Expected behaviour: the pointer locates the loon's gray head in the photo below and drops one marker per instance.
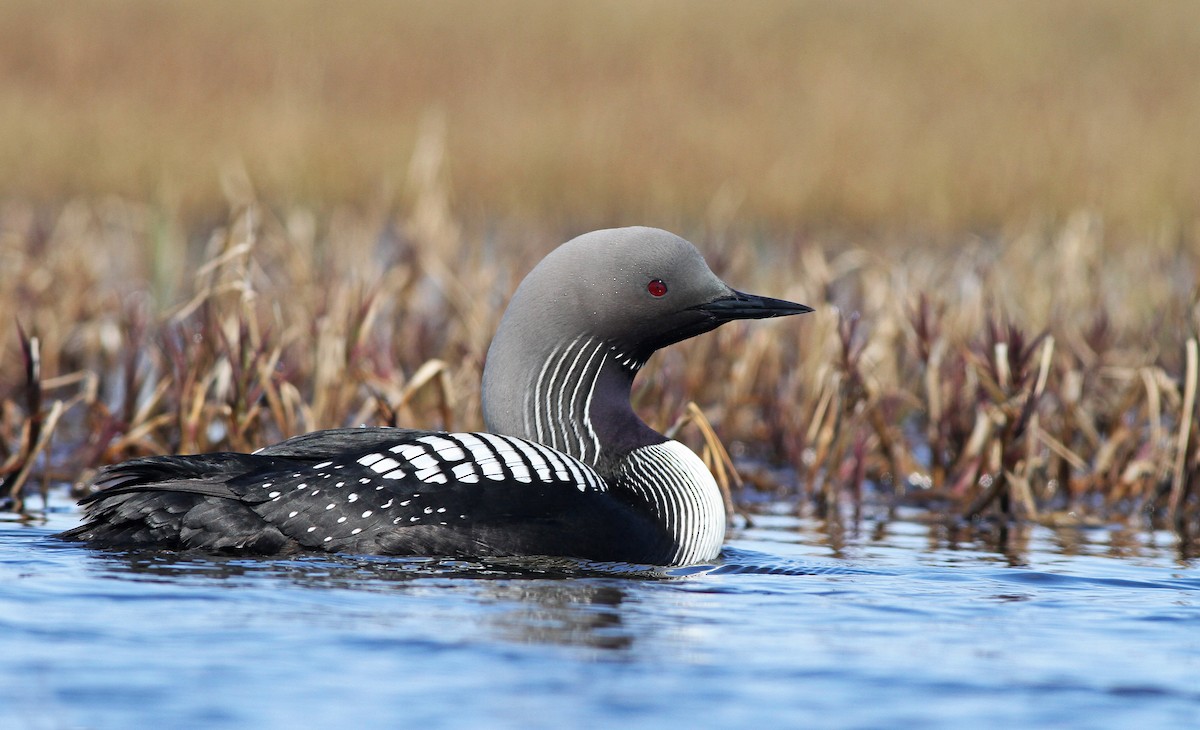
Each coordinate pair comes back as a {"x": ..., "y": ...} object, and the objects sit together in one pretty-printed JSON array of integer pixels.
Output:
[{"x": 582, "y": 323}]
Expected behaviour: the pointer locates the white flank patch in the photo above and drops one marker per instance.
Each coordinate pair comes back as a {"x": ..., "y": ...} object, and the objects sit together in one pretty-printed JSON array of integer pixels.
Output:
[
  {"x": 521, "y": 472},
  {"x": 370, "y": 459},
  {"x": 445, "y": 448},
  {"x": 385, "y": 465},
  {"x": 685, "y": 494},
  {"x": 431, "y": 474},
  {"x": 507, "y": 448},
  {"x": 465, "y": 472},
  {"x": 492, "y": 469},
  {"x": 535, "y": 458},
  {"x": 555, "y": 460},
  {"x": 408, "y": 452},
  {"x": 424, "y": 461},
  {"x": 480, "y": 453},
  {"x": 506, "y": 451}
]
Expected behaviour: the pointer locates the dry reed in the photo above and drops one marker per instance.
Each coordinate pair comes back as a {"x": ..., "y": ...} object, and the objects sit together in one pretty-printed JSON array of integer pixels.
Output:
[
  {"x": 1042, "y": 371},
  {"x": 997, "y": 383},
  {"x": 933, "y": 114}
]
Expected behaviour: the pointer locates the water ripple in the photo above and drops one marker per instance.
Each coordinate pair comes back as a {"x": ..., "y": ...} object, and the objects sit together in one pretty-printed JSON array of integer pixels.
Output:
[{"x": 785, "y": 629}]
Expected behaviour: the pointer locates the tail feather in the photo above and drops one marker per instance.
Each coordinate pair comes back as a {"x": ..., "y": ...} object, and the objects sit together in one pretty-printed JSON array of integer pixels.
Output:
[
  {"x": 194, "y": 471},
  {"x": 176, "y": 502}
]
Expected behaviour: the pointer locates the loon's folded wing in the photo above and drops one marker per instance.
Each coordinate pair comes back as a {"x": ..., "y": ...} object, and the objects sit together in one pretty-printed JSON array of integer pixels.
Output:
[{"x": 390, "y": 491}]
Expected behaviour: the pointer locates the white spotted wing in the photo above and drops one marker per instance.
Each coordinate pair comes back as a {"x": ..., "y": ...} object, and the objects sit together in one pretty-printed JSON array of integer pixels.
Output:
[{"x": 339, "y": 490}]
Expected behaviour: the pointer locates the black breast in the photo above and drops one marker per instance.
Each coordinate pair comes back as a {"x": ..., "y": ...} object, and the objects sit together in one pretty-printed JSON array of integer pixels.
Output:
[{"x": 381, "y": 491}]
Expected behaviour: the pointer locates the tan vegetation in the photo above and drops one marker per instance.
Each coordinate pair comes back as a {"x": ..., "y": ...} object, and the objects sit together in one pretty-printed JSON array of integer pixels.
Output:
[
  {"x": 228, "y": 223},
  {"x": 929, "y": 115},
  {"x": 919, "y": 372}
]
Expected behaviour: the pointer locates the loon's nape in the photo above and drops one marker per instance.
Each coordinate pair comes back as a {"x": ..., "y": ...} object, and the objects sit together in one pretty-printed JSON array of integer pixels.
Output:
[{"x": 568, "y": 469}]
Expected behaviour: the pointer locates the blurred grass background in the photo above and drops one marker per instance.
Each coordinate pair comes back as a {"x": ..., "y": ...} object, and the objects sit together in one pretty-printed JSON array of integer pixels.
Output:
[
  {"x": 932, "y": 115},
  {"x": 225, "y": 223}
]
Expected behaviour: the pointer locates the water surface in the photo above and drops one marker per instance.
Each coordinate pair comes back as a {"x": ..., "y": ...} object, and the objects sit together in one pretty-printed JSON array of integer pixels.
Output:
[{"x": 891, "y": 625}]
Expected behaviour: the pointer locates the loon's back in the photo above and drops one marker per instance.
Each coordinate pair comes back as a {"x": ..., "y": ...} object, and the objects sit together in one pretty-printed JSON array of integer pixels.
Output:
[{"x": 376, "y": 491}]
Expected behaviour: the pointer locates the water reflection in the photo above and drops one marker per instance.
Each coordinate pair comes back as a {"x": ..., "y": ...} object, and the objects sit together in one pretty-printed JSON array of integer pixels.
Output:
[
  {"x": 321, "y": 570},
  {"x": 1020, "y": 544},
  {"x": 405, "y": 641},
  {"x": 530, "y": 601},
  {"x": 572, "y": 613}
]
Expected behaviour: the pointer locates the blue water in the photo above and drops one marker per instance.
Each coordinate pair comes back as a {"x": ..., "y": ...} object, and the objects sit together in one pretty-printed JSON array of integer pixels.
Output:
[{"x": 892, "y": 626}]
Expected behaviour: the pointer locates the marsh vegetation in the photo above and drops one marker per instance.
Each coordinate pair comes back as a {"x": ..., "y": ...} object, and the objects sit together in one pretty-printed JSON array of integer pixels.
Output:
[{"x": 224, "y": 224}]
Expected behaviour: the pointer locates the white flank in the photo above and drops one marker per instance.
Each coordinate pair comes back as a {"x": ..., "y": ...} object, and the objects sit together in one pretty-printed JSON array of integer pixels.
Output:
[{"x": 685, "y": 495}]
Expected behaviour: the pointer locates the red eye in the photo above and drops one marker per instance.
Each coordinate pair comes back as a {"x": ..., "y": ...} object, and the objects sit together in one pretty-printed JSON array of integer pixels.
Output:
[{"x": 657, "y": 288}]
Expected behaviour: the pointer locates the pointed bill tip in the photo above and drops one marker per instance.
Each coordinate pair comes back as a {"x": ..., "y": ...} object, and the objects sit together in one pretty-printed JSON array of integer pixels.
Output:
[{"x": 739, "y": 305}]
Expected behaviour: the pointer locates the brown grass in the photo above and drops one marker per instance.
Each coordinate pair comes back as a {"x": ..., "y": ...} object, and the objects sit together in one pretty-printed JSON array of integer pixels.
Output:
[
  {"x": 920, "y": 373},
  {"x": 230, "y": 223},
  {"x": 934, "y": 115}
]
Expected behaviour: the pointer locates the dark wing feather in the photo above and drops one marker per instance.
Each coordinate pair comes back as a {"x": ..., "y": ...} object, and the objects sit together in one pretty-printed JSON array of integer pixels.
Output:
[
  {"x": 327, "y": 444},
  {"x": 175, "y": 502},
  {"x": 389, "y": 491}
]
